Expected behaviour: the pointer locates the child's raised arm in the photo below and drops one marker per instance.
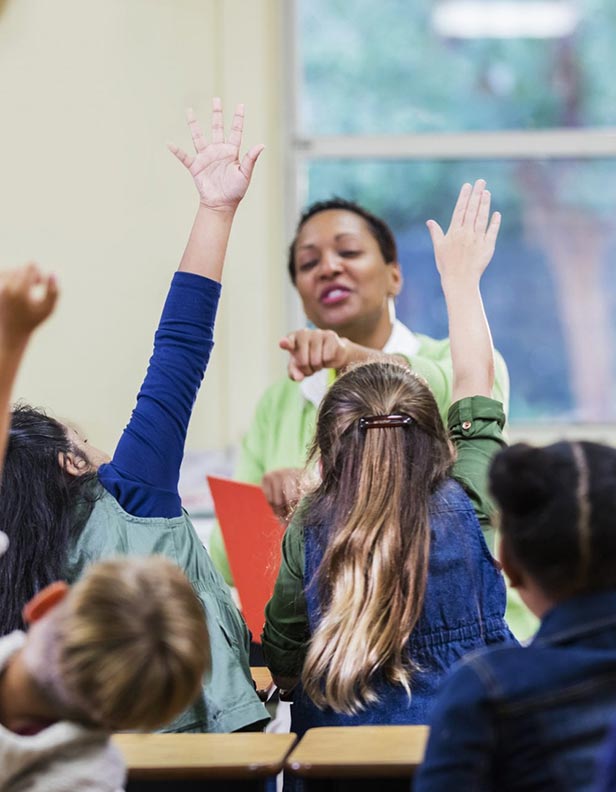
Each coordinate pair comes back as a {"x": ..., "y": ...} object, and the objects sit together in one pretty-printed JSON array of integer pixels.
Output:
[
  {"x": 462, "y": 255},
  {"x": 26, "y": 299},
  {"x": 143, "y": 474},
  {"x": 221, "y": 181}
]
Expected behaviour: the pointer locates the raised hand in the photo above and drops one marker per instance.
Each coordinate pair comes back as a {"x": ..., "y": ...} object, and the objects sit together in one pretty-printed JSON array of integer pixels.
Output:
[
  {"x": 468, "y": 246},
  {"x": 221, "y": 179},
  {"x": 27, "y": 297},
  {"x": 462, "y": 254}
]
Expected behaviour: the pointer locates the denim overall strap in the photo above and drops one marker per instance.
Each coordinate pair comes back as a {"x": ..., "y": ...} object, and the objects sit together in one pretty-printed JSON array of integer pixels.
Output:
[{"x": 463, "y": 610}]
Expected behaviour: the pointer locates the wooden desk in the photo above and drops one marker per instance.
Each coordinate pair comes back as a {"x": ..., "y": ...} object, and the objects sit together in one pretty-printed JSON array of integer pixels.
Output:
[
  {"x": 247, "y": 758},
  {"x": 344, "y": 755}
]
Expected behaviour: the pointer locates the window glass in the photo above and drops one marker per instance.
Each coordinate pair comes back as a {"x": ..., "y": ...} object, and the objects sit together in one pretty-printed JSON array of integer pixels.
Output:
[
  {"x": 550, "y": 291},
  {"x": 394, "y": 66}
]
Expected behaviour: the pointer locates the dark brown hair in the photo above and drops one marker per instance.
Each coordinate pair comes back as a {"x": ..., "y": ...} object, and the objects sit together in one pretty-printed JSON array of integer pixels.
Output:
[
  {"x": 557, "y": 509},
  {"x": 377, "y": 227}
]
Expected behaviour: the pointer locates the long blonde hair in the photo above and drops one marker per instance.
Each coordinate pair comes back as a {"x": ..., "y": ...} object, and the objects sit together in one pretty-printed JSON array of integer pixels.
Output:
[
  {"x": 132, "y": 643},
  {"x": 371, "y": 515}
]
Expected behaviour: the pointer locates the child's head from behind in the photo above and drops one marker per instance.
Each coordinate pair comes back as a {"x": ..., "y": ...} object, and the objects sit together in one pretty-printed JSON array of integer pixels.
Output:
[
  {"x": 557, "y": 508},
  {"x": 125, "y": 648},
  {"x": 380, "y": 389},
  {"x": 383, "y": 451}
]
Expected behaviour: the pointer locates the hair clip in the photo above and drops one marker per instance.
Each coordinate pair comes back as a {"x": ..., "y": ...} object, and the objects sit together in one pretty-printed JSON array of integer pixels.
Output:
[{"x": 384, "y": 421}]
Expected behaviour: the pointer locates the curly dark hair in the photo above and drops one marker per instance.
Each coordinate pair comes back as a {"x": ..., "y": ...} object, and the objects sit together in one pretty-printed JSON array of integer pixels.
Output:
[{"x": 43, "y": 509}]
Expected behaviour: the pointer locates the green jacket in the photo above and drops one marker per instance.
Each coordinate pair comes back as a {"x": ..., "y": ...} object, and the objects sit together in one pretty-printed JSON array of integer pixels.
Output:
[{"x": 228, "y": 701}]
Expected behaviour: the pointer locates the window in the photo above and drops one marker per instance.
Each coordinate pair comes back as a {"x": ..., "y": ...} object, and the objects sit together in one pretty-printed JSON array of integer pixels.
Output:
[{"x": 398, "y": 103}]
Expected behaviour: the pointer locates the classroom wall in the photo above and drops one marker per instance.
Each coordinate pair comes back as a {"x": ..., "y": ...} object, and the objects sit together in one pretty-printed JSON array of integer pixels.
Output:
[{"x": 90, "y": 91}]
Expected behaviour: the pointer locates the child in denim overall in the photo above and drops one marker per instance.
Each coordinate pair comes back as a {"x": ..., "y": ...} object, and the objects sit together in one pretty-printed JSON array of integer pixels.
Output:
[{"x": 386, "y": 578}]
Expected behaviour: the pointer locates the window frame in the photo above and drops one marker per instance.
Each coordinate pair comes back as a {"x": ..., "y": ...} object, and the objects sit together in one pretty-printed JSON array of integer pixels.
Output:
[{"x": 554, "y": 143}]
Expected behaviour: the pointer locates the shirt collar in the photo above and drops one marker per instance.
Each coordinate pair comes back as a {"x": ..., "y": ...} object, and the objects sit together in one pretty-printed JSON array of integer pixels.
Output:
[
  {"x": 402, "y": 341},
  {"x": 576, "y": 617}
]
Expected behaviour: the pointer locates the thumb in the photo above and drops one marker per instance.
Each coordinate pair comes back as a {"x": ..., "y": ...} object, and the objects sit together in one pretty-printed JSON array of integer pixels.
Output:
[
  {"x": 436, "y": 232},
  {"x": 295, "y": 373},
  {"x": 287, "y": 343},
  {"x": 250, "y": 158}
]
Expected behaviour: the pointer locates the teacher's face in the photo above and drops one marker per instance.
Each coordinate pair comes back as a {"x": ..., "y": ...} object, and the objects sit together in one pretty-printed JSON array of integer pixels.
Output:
[{"x": 341, "y": 275}]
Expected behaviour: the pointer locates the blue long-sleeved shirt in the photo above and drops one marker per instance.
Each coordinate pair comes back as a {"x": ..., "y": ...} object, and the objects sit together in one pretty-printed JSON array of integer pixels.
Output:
[{"x": 144, "y": 472}]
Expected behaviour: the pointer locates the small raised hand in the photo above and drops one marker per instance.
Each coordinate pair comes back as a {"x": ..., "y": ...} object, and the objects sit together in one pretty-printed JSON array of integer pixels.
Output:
[
  {"x": 462, "y": 254},
  {"x": 27, "y": 298},
  {"x": 219, "y": 176},
  {"x": 468, "y": 246}
]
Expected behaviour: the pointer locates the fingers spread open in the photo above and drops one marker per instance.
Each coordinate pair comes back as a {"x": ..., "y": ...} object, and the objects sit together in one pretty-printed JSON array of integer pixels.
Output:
[
  {"x": 493, "y": 229},
  {"x": 237, "y": 127},
  {"x": 198, "y": 138},
  {"x": 459, "y": 210},
  {"x": 483, "y": 213},
  {"x": 183, "y": 157},
  {"x": 473, "y": 203},
  {"x": 218, "y": 126}
]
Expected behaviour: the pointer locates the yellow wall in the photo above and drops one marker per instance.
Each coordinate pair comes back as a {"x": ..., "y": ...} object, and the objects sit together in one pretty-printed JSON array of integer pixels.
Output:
[{"x": 90, "y": 91}]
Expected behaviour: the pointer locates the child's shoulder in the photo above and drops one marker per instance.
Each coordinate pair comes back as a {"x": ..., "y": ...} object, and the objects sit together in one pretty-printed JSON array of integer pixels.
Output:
[{"x": 509, "y": 672}]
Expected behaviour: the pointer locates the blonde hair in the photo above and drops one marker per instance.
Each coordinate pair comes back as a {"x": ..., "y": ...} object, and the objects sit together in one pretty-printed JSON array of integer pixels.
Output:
[
  {"x": 133, "y": 643},
  {"x": 371, "y": 516}
]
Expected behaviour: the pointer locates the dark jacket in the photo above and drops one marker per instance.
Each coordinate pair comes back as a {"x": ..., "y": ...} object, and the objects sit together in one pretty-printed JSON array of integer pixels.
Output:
[{"x": 535, "y": 718}]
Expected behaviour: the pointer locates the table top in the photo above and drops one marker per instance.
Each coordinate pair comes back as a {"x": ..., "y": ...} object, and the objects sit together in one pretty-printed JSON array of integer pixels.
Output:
[
  {"x": 233, "y": 756},
  {"x": 359, "y": 752}
]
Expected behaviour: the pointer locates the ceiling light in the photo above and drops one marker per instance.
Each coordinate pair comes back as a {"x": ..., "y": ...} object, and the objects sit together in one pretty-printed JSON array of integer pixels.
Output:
[{"x": 505, "y": 18}]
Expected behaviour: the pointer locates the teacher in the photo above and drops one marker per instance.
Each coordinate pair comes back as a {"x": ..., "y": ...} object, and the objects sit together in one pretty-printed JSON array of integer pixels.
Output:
[{"x": 344, "y": 264}]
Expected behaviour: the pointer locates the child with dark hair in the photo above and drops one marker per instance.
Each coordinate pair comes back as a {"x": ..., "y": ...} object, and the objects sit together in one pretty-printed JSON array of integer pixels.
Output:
[
  {"x": 513, "y": 718},
  {"x": 27, "y": 298},
  {"x": 65, "y": 504}
]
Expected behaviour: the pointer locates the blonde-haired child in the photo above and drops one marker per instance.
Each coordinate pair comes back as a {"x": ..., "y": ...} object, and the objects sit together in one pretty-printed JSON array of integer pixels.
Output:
[{"x": 124, "y": 648}]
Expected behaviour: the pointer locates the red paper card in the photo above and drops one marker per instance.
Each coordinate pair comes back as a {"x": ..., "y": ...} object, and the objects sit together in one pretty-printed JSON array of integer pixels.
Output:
[{"x": 253, "y": 539}]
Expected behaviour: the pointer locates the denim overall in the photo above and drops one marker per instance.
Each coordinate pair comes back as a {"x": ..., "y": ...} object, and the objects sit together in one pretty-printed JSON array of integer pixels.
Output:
[{"x": 463, "y": 610}]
